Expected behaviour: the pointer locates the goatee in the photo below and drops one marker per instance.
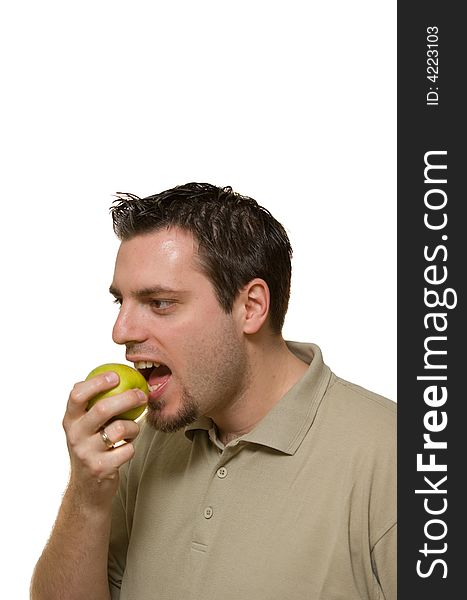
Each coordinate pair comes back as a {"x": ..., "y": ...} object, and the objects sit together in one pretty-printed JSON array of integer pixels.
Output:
[{"x": 187, "y": 414}]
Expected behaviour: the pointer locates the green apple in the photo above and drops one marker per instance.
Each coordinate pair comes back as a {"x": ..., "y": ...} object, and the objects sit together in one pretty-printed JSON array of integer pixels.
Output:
[{"x": 129, "y": 379}]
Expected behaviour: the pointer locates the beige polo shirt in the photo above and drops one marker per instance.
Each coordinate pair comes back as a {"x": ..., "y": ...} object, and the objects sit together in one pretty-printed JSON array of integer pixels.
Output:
[{"x": 302, "y": 507}]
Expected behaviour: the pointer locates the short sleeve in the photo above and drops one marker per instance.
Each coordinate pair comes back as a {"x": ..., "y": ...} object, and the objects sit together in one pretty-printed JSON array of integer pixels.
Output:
[{"x": 384, "y": 558}]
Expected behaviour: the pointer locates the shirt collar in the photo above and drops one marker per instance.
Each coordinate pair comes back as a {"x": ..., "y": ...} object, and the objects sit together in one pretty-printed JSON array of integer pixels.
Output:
[{"x": 286, "y": 424}]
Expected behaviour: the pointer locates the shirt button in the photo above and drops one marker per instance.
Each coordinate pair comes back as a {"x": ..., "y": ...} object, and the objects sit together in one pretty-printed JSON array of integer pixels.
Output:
[
  {"x": 208, "y": 512},
  {"x": 222, "y": 472}
]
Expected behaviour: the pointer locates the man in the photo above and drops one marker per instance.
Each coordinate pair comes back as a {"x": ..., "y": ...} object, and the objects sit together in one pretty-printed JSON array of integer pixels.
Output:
[{"x": 258, "y": 474}]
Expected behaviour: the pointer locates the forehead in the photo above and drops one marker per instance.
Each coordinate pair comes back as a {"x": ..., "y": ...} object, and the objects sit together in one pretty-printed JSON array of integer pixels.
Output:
[{"x": 165, "y": 257}]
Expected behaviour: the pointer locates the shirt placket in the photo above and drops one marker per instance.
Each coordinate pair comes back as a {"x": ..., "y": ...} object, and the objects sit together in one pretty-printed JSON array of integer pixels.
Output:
[{"x": 211, "y": 510}]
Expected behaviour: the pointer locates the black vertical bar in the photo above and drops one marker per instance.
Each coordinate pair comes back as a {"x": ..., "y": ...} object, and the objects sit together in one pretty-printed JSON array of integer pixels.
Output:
[{"x": 432, "y": 328}]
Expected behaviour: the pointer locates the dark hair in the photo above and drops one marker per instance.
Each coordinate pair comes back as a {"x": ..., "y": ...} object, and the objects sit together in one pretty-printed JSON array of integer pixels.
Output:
[{"x": 238, "y": 239}]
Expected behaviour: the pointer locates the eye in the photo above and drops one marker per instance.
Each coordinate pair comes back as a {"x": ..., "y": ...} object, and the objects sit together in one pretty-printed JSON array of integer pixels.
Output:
[
  {"x": 117, "y": 301},
  {"x": 161, "y": 305}
]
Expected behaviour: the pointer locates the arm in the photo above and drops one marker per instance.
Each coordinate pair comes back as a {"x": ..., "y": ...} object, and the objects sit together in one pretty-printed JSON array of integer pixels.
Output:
[{"x": 73, "y": 564}]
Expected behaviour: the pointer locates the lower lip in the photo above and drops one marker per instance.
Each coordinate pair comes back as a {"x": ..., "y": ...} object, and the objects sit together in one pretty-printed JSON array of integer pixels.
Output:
[{"x": 160, "y": 390}]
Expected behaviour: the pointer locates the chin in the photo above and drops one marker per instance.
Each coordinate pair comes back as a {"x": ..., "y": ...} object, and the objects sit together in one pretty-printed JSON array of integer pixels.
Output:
[{"x": 158, "y": 418}]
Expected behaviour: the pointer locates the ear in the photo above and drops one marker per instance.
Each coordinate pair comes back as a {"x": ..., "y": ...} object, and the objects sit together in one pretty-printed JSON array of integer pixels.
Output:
[{"x": 253, "y": 305}]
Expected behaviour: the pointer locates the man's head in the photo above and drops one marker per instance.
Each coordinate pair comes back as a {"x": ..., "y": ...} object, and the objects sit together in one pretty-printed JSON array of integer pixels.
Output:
[
  {"x": 238, "y": 240},
  {"x": 197, "y": 275}
]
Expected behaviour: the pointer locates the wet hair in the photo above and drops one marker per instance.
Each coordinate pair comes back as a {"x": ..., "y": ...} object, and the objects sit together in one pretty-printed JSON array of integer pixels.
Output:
[{"x": 238, "y": 240}]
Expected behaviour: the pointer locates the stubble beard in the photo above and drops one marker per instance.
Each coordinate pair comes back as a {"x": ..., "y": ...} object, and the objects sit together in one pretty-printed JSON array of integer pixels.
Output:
[
  {"x": 226, "y": 380},
  {"x": 187, "y": 413}
]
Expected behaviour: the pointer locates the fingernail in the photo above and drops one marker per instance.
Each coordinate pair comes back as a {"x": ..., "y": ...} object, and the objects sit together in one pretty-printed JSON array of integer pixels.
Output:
[
  {"x": 141, "y": 395},
  {"x": 112, "y": 377}
]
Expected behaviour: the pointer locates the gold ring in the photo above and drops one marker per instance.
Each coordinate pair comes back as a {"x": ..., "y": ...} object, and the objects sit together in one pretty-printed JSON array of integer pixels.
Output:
[{"x": 105, "y": 438}]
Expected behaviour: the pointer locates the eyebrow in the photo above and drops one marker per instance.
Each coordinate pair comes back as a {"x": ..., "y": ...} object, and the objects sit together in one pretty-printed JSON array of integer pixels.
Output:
[{"x": 148, "y": 291}]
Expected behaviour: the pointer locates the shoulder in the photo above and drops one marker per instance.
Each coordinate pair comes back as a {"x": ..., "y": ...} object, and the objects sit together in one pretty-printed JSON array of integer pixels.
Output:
[
  {"x": 361, "y": 428},
  {"x": 360, "y": 409},
  {"x": 364, "y": 429},
  {"x": 360, "y": 395}
]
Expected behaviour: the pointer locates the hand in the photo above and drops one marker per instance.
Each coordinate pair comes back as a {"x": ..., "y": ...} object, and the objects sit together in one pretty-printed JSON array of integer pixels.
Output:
[{"x": 94, "y": 466}]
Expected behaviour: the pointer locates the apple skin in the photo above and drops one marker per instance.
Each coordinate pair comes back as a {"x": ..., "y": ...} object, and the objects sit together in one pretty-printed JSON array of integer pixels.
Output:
[{"x": 129, "y": 379}]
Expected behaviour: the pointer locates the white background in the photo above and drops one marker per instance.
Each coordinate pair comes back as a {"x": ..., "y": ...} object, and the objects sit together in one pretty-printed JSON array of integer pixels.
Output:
[{"x": 293, "y": 103}]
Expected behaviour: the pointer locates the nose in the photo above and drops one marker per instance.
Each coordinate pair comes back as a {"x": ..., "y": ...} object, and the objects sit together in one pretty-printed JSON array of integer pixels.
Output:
[{"x": 128, "y": 328}]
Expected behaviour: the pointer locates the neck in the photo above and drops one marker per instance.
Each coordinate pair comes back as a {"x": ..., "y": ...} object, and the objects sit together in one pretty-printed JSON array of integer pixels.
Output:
[{"x": 273, "y": 371}]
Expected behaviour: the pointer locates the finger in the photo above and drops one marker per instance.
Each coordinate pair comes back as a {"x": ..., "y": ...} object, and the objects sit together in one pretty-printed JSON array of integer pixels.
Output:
[
  {"x": 115, "y": 458},
  {"x": 117, "y": 431},
  {"x": 104, "y": 464},
  {"x": 84, "y": 391},
  {"x": 107, "y": 408}
]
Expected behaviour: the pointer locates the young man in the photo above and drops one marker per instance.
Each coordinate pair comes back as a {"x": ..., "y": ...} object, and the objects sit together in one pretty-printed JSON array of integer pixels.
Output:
[{"x": 258, "y": 472}]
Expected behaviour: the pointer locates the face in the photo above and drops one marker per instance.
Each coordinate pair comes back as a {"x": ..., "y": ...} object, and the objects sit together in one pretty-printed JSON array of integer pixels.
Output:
[{"x": 175, "y": 331}]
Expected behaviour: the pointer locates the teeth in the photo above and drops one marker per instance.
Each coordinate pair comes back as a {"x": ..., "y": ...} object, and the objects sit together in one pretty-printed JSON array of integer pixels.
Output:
[
  {"x": 153, "y": 388},
  {"x": 146, "y": 364}
]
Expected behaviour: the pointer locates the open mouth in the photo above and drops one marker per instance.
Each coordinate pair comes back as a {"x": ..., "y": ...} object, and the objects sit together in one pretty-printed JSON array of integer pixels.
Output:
[{"x": 156, "y": 374}]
